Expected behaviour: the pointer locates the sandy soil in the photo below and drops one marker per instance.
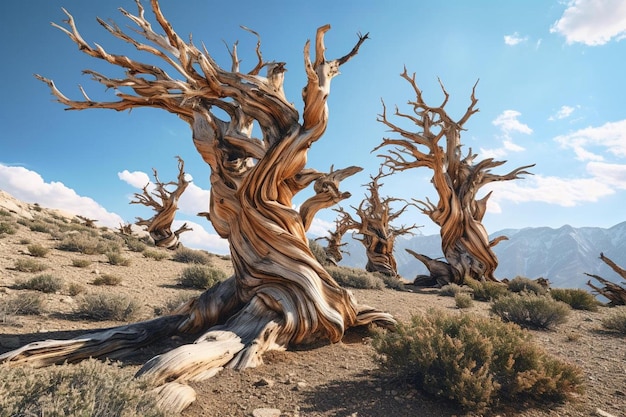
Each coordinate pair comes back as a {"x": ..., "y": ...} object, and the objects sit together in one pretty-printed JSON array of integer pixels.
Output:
[{"x": 342, "y": 379}]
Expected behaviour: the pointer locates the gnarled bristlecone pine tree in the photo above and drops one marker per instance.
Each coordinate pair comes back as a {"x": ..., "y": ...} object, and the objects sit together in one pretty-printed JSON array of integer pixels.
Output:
[
  {"x": 159, "y": 226},
  {"x": 279, "y": 294},
  {"x": 378, "y": 235},
  {"x": 333, "y": 249},
  {"x": 457, "y": 178}
]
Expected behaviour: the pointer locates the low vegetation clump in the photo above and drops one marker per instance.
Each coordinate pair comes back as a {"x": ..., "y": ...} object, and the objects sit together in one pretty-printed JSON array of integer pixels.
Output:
[
  {"x": 31, "y": 304},
  {"x": 523, "y": 284},
  {"x": 318, "y": 252},
  {"x": 450, "y": 290},
  {"x": 191, "y": 256},
  {"x": 90, "y": 388},
  {"x": 576, "y": 298},
  {"x": 391, "y": 281},
  {"x": 355, "y": 278},
  {"x": 116, "y": 258},
  {"x": 201, "y": 276},
  {"x": 134, "y": 244},
  {"x": 38, "y": 250},
  {"x": 7, "y": 228},
  {"x": 29, "y": 265},
  {"x": 616, "y": 321},
  {"x": 75, "y": 288},
  {"x": 463, "y": 300},
  {"x": 477, "y": 362},
  {"x": 155, "y": 254},
  {"x": 107, "y": 306},
  {"x": 486, "y": 291},
  {"x": 82, "y": 243},
  {"x": 40, "y": 226},
  {"x": 107, "y": 279},
  {"x": 81, "y": 263},
  {"x": 47, "y": 283},
  {"x": 530, "y": 310}
]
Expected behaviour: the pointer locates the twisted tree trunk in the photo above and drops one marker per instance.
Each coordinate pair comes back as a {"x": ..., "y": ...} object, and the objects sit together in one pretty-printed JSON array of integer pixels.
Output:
[
  {"x": 456, "y": 178},
  {"x": 279, "y": 295},
  {"x": 159, "y": 226}
]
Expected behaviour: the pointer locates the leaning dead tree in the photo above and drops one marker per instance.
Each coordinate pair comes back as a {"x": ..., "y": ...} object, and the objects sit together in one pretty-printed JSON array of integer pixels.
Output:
[
  {"x": 378, "y": 235},
  {"x": 615, "y": 293},
  {"x": 457, "y": 178},
  {"x": 165, "y": 203},
  {"x": 279, "y": 294}
]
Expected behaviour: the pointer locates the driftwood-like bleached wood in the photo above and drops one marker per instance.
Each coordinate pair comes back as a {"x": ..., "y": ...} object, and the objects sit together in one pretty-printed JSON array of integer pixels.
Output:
[
  {"x": 165, "y": 205},
  {"x": 615, "y": 293},
  {"x": 457, "y": 178},
  {"x": 279, "y": 294},
  {"x": 378, "y": 235}
]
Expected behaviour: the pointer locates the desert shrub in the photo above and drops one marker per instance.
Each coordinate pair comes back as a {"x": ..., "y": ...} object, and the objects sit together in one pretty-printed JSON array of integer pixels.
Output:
[
  {"x": 172, "y": 304},
  {"x": 393, "y": 282},
  {"x": 475, "y": 361},
  {"x": 201, "y": 276},
  {"x": 38, "y": 250},
  {"x": 45, "y": 283},
  {"x": 87, "y": 244},
  {"x": 7, "y": 228},
  {"x": 318, "y": 251},
  {"x": 355, "y": 278},
  {"x": 75, "y": 288},
  {"x": 24, "y": 241},
  {"x": 107, "y": 279},
  {"x": 90, "y": 388},
  {"x": 81, "y": 263},
  {"x": 616, "y": 320},
  {"x": 29, "y": 265},
  {"x": 107, "y": 306},
  {"x": 577, "y": 299},
  {"x": 523, "y": 284},
  {"x": 134, "y": 244},
  {"x": 530, "y": 310},
  {"x": 486, "y": 291},
  {"x": 116, "y": 258},
  {"x": 40, "y": 226},
  {"x": 155, "y": 254},
  {"x": 450, "y": 290},
  {"x": 191, "y": 256},
  {"x": 463, "y": 300},
  {"x": 4, "y": 213},
  {"x": 31, "y": 304}
]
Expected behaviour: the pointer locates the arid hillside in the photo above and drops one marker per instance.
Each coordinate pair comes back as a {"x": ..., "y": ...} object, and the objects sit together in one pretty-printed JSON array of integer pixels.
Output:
[{"x": 342, "y": 379}]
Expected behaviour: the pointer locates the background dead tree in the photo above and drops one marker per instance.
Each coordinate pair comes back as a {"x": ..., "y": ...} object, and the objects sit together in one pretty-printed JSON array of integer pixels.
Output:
[
  {"x": 125, "y": 229},
  {"x": 279, "y": 294},
  {"x": 378, "y": 235},
  {"x": 456, "y": 178},
  {"x": 333, "y": 249},
  {"x": 615, "y": 293},
  {"x": 87, "y": 221},
  {"x": 165, "y": 205}
]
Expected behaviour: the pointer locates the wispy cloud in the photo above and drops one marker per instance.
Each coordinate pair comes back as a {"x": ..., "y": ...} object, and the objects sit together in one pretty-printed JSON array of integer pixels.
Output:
[
  {"x": 508, "y": 124},
  {"x": 563, "y": 113},
  {"x": 592, "y": 22},
  {"x": 514, "y": 39},
  {"x": 30, "y": 187},
  {"x": 610, "y": 137}
]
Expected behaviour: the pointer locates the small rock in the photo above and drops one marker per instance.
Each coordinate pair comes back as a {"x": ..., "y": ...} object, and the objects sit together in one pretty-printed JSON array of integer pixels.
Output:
[
  {"x": 266, "y": 412},
  {"x": 264, "y": 382}
]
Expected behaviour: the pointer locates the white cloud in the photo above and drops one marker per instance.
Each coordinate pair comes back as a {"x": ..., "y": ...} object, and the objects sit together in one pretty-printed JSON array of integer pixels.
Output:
[
  {"x": 610, "y": 136},
  {"x": 137, "y": 179},
  {"x": 320, "y": 227},
  {"x": 592, "y": 22},
  {"x": 611, "y": 174},
  {"x": 563, "y": 113},
  {"x": 200, "y": 238},
  {"x": 508, "y": 123},
  {"x": 30, "y": 187},
  {"x": 514, "y": 39}
]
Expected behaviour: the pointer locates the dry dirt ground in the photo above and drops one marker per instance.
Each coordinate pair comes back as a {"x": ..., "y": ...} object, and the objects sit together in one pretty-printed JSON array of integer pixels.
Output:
[{"x": 342, "y": 379}]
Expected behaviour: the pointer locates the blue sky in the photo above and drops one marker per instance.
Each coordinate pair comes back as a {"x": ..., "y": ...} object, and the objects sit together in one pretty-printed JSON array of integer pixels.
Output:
[{"x": 551, "y": 92}]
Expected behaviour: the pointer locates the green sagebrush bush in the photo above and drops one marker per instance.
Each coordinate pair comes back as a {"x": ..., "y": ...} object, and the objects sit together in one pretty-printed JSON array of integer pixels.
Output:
[
  {"x": 155, "y": 254},
  {"x": 38, "y": 250},
  {"x": 355, "y": 278},
  {"x": 47, "y": 283},
  {"x": 116, "y": 258},
  {"x": 486, "y": 291},
  {"x": 474, "y": 361},
  {"x": 523, "y": 284},
  {"x": 463, "y": 300},
  {"x": 616, "y": 321},
  {"x": 577, "y": 299},
  {"x": 191, "y": 256},
  {"x": 90, "y": 388},
  {"x": 530, "y": 310},
  {"x": 107, "y": 306},
  {"x": 87, "y": 244},
  {"x": 201, "y": 276},
  {"x": 29, "y": 265}
]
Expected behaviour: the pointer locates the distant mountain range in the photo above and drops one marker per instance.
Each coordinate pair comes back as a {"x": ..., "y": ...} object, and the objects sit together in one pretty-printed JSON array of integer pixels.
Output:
[{"x": 561, "y": 255}]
